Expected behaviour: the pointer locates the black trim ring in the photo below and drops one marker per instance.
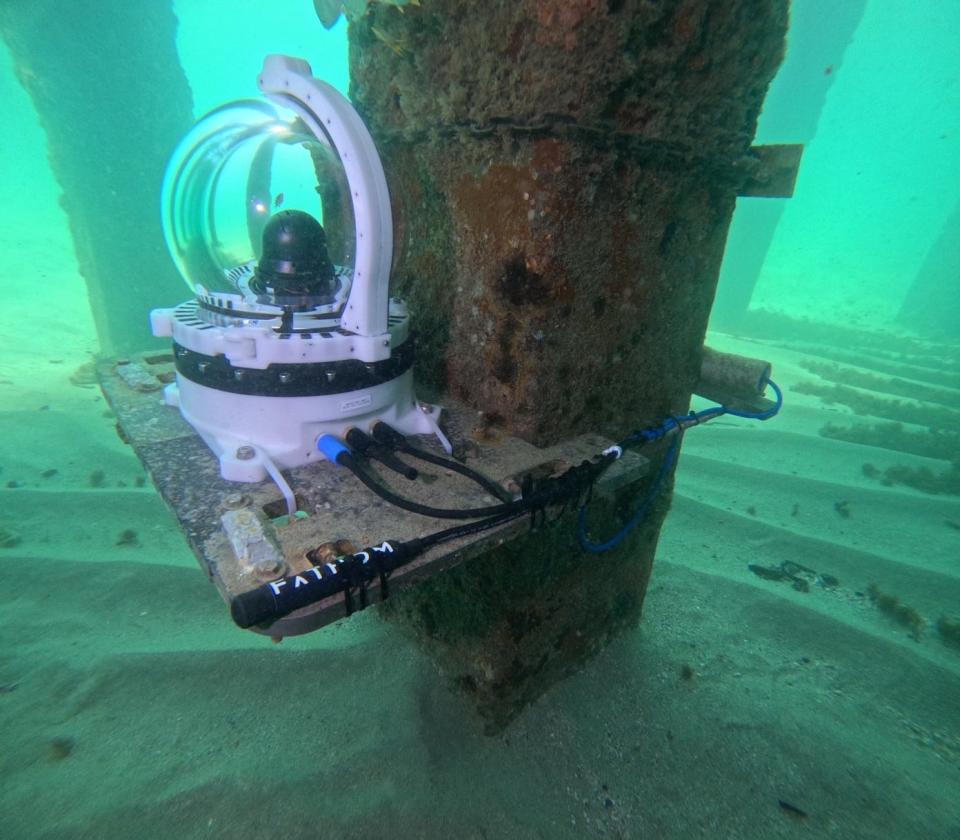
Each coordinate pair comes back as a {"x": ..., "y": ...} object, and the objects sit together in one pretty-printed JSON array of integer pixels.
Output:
[{"x": 310, "y": 379}]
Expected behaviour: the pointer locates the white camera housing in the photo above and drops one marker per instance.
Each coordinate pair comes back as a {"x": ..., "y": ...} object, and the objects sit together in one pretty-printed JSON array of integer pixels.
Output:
[{"x": 260, "y": 378}]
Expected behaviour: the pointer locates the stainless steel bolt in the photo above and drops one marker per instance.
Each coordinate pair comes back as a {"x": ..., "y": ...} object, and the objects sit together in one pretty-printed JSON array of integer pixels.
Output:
[{"x": 246, "y": 453}]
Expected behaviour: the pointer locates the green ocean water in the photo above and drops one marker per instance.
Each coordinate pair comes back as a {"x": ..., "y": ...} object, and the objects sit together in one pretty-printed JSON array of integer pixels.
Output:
[
  {"x": 878, "y": 184},
  {"x": 131, "y": 707}
]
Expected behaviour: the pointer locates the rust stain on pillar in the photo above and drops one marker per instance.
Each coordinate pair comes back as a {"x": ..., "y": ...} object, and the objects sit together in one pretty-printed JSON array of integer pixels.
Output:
[{"x": 563, "y": 174}]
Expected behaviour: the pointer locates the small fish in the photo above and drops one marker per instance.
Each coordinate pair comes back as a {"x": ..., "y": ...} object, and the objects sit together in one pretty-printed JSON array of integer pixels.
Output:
[
  {"x": 278, "y": 201},
  {"x": 399, "y": 46},
  {"x": 329, "y": 11}
]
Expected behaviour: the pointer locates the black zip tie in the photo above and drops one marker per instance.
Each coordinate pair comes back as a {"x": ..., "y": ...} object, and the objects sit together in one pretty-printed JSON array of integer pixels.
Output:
[
  {"x": 384, "y": 577},
  {"x": 363, "y": 595},
  {"x": 534, "y": 514},
  {"x": 354, "y": 582}
]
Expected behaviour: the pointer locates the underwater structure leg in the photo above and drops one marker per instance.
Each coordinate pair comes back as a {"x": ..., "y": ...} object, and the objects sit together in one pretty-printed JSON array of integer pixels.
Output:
[
  {"x": 815, "y": 55},
  {"x": 932, "y": 305},
  {"x": 519, "y": 617},
  {"x": 107, "y": 86},
  {"x": 563, "y": 190}
]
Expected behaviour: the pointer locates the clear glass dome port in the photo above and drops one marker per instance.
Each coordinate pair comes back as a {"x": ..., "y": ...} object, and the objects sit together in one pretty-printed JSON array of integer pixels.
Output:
[{"x": 241, "y": 165}]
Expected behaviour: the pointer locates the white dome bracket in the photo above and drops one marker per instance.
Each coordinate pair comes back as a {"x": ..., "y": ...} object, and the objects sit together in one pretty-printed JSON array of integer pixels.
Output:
[
  {"x": 259, "y": 385},
  {"x": 330, "y": 116}
]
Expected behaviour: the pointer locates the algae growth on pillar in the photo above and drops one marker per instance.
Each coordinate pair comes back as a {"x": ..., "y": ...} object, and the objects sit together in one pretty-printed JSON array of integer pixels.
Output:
[{"x": 564, "y": 174}]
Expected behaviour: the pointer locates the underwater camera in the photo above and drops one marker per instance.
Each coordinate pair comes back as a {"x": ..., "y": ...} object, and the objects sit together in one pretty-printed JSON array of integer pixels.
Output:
[
  {"x": 279, "y": 220},
  {"x": 293, "y": 366}
]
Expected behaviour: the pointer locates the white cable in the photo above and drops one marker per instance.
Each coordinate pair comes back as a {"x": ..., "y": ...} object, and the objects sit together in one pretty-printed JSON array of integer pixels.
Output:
[{"x": 280, "y": 481}]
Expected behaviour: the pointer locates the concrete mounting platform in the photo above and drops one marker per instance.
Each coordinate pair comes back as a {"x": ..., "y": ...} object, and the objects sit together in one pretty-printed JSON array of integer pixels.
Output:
[{"x": 335, "y": 506}]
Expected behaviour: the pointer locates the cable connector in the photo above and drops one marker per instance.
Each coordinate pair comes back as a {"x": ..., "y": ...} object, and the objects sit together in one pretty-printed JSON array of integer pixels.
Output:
[
  {"x": 363, "y": 444},
  {"x": 387, "y": 435},
  {"x": 333, "y": 449}
]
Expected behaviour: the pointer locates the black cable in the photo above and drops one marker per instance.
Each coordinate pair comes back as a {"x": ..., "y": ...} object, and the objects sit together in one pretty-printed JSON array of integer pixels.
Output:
[
  {"x": 276, "y": 599},
  {"x": 363, "y": 444},
  {"x": 568, "y": 486},
  {"x": 487, "y": 484},
  {"x": 388, "y": 436},
  {"x": 429, "y": 541},
  {"x": 388, "y": 495}
]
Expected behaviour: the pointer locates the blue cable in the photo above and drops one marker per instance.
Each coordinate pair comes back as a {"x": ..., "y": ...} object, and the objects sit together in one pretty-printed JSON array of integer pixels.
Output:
[
  {"x": 671, "y": 424},
  {"x": 637, "y": 518},
  {"x": 762, "y": 415}
]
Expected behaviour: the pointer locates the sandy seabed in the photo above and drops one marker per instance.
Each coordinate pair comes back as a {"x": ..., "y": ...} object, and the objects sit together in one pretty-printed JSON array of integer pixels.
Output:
[{"x": 130, "y": 707}]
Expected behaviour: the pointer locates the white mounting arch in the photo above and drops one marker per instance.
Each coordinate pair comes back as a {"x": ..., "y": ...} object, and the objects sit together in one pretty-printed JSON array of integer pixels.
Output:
[{"x": 332, "y": 119}]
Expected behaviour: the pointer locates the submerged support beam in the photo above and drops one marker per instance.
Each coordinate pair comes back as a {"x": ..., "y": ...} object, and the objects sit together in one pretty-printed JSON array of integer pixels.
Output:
[
  {"x": 108, "y": 89},
  {"x": 563, "y": 190},
  {"x": 820, "y": 32},
  {"x": 932, "y": 303}
]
